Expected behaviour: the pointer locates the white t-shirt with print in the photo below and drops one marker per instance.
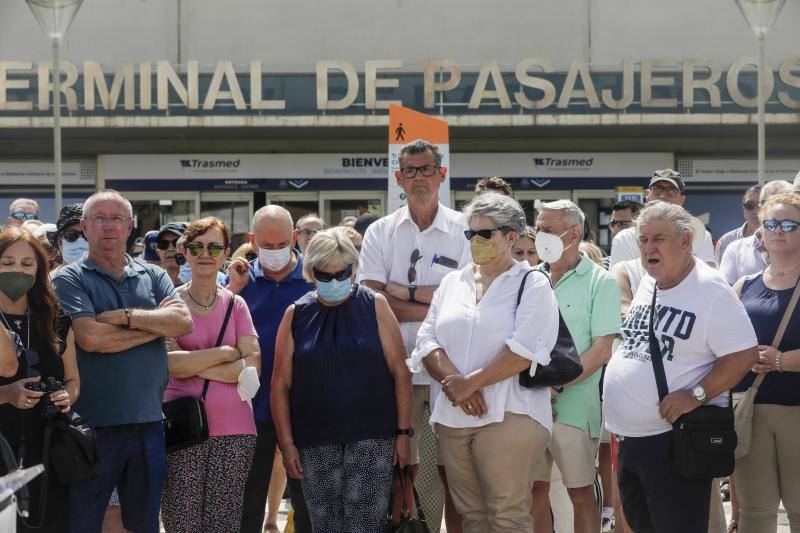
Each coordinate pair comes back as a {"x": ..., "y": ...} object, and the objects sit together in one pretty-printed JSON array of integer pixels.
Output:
[
  {"x": 625, "y": 247},
  {"x": 697, "y": 322}
]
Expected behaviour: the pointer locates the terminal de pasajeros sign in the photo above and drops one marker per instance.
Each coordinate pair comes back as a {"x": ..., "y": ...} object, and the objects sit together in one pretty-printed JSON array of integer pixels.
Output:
[{"x": 533, "y": 84}]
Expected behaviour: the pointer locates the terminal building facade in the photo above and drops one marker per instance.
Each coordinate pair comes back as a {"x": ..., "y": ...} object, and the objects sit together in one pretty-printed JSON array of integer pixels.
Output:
[{"x": 194, "y": 108}]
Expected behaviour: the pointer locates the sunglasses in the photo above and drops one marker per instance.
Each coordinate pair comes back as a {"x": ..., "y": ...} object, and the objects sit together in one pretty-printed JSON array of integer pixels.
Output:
[
  {"x": 485, "y": 233},
  {"x": 412, "y": 270},
  {"x": 196, "y": 249},
  {"x": 309, "y": 232},
  {"x": 750, "y": 205},
  {"x": 165, "y": 244},
  {"x": 22, "y": 215},
  {"x": 72, "y": 235},
  {"x": 787, "y": 226},
  {"x": 338, "y": 276}
]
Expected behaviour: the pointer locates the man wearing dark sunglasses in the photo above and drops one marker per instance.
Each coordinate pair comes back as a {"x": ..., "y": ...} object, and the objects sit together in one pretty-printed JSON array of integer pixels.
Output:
[
  {"x": 750, "y": 208},
  {"x": 22, "y": 209},
  {"x": 167, "y": 249},
  {"x": 404, "y": 256},
  {"x": 747, "y": 255}
]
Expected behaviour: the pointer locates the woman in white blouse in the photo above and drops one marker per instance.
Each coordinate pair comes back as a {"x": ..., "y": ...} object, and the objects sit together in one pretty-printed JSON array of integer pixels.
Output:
[{"x": 474, "y": 343}]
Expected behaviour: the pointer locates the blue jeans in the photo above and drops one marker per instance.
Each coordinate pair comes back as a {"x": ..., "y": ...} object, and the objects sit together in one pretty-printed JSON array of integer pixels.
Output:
[{"x": 133, "y": 459}]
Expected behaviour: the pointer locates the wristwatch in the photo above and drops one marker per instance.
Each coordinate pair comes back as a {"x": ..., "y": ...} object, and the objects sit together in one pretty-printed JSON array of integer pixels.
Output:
[
  {"x": 411, "y": 290},
  {"x": 405, "y": 431},
  {"x": 699, "y": 394}
]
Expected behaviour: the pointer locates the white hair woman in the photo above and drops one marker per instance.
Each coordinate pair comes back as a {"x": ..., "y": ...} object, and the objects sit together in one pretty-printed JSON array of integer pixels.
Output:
[
  {"x": 474, "y": 342},
  {"x": 770, "y": 472},
  {"x": 341, "y": 392}
]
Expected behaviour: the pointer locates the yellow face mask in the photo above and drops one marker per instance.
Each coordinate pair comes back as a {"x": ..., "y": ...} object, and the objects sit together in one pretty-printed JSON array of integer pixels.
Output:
[{"x": 483, "y": 250}]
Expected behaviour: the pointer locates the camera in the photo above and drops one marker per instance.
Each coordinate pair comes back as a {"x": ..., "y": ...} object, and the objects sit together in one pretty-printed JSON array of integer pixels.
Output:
[{"x": 48, "y": 386}]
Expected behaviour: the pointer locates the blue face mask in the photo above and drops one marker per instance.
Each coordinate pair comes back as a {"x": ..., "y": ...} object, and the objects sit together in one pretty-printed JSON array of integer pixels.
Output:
[{"x": 334, "y": 291}]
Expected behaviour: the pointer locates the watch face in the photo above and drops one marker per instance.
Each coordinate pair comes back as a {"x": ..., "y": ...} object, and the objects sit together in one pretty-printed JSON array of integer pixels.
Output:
[{"x": 699, "y": 392}]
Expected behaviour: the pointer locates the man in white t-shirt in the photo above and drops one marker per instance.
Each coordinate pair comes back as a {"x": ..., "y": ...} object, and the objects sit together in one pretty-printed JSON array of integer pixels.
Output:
[
  {"x": 707, "y": 344},
  {"x": 404, "y": 256},
  {"x": 666, "y": 185}
]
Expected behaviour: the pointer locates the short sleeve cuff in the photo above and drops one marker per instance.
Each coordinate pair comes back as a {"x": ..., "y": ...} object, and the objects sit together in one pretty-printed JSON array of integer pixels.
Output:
[
  {"x": 538, "y": 353},
  {"x": 414, "y": 362}
]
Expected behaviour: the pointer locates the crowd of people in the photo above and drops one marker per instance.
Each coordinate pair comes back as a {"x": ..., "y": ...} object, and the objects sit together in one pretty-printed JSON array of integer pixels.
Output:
[{"x": 334, "y": 361}]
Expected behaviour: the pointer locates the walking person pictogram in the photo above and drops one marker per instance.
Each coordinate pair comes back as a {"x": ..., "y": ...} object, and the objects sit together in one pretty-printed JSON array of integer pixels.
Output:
[{"x": 400, "y": 133}]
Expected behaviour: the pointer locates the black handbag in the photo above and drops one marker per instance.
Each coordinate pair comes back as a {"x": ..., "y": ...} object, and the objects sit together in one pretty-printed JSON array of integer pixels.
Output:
[
  {"x": 565, "y": 363},
  {"x": 704, "y": 440},
  {"x": 185, "y": 421},
  {"x": 406, "y": 523},
  {"x": 73, "y": 449}
]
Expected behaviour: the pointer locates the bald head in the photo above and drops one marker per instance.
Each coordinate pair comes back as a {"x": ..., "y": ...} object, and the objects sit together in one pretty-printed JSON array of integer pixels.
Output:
[{"x": 273, "y": 228}]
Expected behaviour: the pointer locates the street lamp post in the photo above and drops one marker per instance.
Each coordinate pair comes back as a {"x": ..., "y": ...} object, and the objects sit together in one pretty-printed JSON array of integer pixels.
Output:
[
  {"x": 760, "y": 16},
  {"x": 55, "y": 18}
]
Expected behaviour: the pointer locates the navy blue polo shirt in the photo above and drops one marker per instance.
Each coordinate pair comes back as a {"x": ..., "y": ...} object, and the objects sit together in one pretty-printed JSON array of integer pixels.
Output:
[
  {"x": 125, "y": 387},
  {"x": 268, "y": 300}
]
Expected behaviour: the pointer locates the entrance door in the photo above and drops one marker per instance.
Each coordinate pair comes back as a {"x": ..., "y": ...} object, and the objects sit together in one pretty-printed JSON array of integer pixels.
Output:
[
  {"x": 151, "y": 211},
  {"x": 336, "y": 205},
  {"x": 529, "y": 200},
  {"x": 298, "y": 204},
  {"x": 234, "y": 209},
  {"x": 596, "y": 205}
]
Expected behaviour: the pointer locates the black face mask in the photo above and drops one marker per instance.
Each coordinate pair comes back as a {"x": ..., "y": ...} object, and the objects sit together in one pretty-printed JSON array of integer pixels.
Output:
[{"x": 16, "y": 284}]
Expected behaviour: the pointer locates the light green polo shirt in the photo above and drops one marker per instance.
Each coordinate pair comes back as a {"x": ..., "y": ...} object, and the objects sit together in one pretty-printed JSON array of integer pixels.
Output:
[{"x": 588, "y": 298}]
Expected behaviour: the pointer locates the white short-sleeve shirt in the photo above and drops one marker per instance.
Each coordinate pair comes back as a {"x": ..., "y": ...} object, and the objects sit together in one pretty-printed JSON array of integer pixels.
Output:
[
  {"x": 696, "y": 322},
  {"x": 625, "y": 247},
  {"x": 472, "y": 334},
  {"x": 386, "y": 255},
  {"x": 742, "y": 258}
]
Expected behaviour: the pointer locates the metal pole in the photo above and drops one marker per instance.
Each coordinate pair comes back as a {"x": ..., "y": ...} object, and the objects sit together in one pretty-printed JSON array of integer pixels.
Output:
[
  {"x": 762, "y": 98},
  {"x": 57, "y": 123}
]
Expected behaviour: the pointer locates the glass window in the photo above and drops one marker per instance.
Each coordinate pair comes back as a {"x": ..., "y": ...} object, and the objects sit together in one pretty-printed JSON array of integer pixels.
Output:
[
  {"x": 234, "y": 214},
  {"x": 152, "y": 214}
]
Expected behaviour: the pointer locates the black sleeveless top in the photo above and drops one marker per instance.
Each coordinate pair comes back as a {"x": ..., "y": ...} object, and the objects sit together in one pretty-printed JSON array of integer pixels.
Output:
[
  {"x": 342, "y": 390},
  {"x": 24, "y": 428}
]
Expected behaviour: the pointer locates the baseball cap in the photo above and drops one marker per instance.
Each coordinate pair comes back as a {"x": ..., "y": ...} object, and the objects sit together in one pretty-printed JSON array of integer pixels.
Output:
[
  {"x": 69, "y": 215},
  {"x": 150, "y": 243},
  {"x": 364, "y": 221},
  {"x": 173, "y": 227},
  {"x": 669, "y": 175}
]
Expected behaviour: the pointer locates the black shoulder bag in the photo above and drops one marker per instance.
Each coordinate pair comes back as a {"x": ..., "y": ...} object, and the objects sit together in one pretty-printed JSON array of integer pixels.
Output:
[
  {"x": 407, "y": 523},
  {"x": 185, "y": 422},
  {"x": 565, "y": 363},
  {"x": 704, "y": 440}
]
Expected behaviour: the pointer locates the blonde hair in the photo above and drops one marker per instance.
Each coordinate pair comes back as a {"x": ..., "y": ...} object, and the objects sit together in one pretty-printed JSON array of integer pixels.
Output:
[
  {"x": 326, "y": 248},
  {"x": 592, "y": 251},
  {"x": 790, "y": 198},
  {"x": 243, "y": 250}
]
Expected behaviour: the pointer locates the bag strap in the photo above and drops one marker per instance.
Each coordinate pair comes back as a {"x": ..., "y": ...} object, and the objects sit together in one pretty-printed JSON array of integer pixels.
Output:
[
  {"x": 524, "y": 279},
  {"x": 408, "y": 474},
  {"x": 787, "y": 315},
  {"x": 655, "y": 353},
  {"x": 222, "y": 331},
  {"x": 45, "y": 477}
]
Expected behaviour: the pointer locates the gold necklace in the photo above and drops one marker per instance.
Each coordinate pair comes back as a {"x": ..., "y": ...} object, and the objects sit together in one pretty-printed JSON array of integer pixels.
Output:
[{"x": 784, "y": 273}]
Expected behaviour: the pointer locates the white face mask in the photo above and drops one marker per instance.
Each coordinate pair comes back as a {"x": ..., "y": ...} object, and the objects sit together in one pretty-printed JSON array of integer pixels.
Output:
[
  {"x": 274, "y": 260},
  {"x": 549, "y": 247},
  {"x": 247, "y": 383},
  {"x": 72, "y": 251}
]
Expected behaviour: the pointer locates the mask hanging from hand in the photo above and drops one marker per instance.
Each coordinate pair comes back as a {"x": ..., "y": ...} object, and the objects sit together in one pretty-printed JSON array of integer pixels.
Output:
[{"x": 247, "y": 383}]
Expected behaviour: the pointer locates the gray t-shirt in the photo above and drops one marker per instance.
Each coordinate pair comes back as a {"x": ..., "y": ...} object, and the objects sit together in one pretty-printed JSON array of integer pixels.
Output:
[{"x": 125, "y": 387}]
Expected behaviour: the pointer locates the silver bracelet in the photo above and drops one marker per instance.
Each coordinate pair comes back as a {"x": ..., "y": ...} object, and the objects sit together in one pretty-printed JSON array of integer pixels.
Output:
[{"x": 778, "y": 361}]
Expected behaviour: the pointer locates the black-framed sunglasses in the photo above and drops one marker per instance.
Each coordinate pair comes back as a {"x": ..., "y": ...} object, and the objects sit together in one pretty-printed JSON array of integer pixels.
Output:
[
  {"x": 426, "y": 170},
  {"x": 750, "y": 205},
  {"x": 165, "y": 244},
  {"x": 22, "y": 215},
  {"x": 196, "y": 249},
  {"x": 412, "y": 270},
  {"x": 485, "y": 233},
  {"x": 787, "y": 226},
  {"x": 338, "y": 276},
  {"x": 72, "y": 235}
]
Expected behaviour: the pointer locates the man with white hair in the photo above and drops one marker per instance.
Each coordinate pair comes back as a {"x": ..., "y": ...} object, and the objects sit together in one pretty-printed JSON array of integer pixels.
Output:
[
  {"x": 589, "y": 301},
  {"x": 706, "y": 343},
  {"x": 269, "y": 284},
  {"x": 22, "y": 209},
  {"x": 668, "y": 186},
  {"x": 746, "y": 256},
  {"x": 121, "y": 312}
]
